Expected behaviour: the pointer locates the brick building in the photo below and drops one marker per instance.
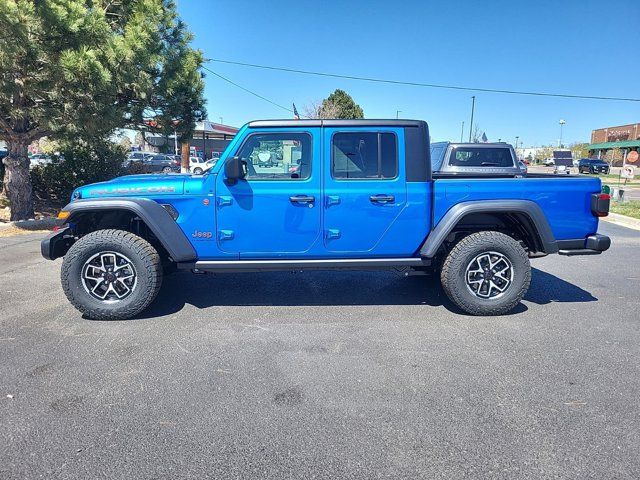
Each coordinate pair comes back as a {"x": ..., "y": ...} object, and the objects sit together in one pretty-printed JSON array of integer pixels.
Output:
[{"x": 614, "y": 143}]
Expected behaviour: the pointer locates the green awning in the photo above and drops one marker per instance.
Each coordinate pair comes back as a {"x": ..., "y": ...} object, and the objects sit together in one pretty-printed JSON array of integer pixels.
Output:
[{"x": 608, "y": 145}]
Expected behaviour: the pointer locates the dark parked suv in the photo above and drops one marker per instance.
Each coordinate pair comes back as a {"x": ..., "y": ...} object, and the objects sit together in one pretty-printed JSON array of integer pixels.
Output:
[
  {"x": 593, "y": 165},
  {"x": 154, "y": 163}
]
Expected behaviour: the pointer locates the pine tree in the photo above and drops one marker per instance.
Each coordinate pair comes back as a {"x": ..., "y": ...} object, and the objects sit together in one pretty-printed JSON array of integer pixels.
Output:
[
  {"x": 341, "y": 105},
  {"x": 81, "y": 69}
]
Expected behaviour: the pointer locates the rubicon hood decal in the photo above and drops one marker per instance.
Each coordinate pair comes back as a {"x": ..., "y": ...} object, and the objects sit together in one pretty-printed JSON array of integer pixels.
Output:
[
  {"x": 139, "y": 185},
  {"x": 132, "y": 190}
]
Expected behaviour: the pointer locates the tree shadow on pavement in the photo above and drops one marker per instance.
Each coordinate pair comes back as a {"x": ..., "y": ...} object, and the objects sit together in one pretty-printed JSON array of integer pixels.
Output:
[{"x": 326, "y": 288}]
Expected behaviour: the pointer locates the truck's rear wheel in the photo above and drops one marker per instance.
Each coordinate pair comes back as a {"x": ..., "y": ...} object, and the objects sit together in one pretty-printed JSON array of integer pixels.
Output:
[
  {"x": 486, "y": 273},
  {"x": 111, "y": 274}
]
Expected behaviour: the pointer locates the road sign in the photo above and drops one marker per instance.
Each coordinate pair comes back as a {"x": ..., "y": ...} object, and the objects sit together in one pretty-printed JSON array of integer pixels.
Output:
[
  {"x": 632, "y": 157},
  {"x": 628, "y": 171}
]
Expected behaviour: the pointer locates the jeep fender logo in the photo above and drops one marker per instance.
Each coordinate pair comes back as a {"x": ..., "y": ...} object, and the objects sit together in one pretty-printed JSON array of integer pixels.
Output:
[
  {"x": 203, "y": 235},
  {"x": 134, "y": 190}
]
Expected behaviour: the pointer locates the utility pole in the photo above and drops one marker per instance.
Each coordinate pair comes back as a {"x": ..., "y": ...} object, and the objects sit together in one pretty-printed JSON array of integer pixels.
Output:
[
  {"x": 397, "y": 113},
  {"x": 473, "y": 107},
  {"x": 175, "y": 142},
  {"x": 462, "y": 132}
]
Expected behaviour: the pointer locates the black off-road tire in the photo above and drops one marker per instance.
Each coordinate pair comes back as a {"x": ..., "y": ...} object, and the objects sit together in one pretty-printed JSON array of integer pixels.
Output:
[
  {"x": 145, "y": 259},
  {"x": 197, "y": 171},
  {"x": 453, "y": 274}
]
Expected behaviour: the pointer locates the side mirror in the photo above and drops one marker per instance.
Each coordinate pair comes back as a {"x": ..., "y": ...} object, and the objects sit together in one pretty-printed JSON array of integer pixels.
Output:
[{"x": 234, "y": 169}]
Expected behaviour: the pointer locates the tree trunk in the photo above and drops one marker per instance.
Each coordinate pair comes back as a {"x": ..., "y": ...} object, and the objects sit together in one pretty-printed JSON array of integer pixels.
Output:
[
  {"x": 184, "y": 164},
  {"x": 17, "y": 181}
]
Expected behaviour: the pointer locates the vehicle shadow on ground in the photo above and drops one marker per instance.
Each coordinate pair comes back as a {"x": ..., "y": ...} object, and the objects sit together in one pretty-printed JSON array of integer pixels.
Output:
[
  {"x": 332, "y": 289},
  {"x": 547, "y": 288}
]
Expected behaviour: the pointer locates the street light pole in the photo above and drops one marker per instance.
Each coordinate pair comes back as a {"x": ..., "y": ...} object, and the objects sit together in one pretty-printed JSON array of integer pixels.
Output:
[
  {"x": 473, "y": 107},
  {"x": 221, "y": 122},
  {"x": 462, "y": 132},
  {"x": 517, "y": 137},
  {"x": 398, "y": 112},
  {"x": 562, "y": 122}
]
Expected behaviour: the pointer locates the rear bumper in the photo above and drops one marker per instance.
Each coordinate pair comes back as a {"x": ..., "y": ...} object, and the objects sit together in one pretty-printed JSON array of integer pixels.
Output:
[{"x": 592, "y": 245}]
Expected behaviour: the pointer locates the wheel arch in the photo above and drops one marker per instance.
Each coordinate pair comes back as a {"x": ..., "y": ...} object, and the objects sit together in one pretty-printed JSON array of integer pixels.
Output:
[
  {"x": 113, "y": 212},
  {"x": 524, "y": 218}
]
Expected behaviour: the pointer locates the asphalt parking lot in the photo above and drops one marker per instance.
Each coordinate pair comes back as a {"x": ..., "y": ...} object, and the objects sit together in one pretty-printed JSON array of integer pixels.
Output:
[{"x": 324, "y": 375}]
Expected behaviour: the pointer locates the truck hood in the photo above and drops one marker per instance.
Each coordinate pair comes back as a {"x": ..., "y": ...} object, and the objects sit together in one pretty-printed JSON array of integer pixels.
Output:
[{"x": 134, "y": 185}]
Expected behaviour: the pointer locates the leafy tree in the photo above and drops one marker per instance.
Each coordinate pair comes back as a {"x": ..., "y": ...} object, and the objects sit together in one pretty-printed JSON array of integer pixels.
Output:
[
  {"x": 341, "y": 105},
  {"x": 580, "y": 150},
  {"x": 84, "y": 68}
]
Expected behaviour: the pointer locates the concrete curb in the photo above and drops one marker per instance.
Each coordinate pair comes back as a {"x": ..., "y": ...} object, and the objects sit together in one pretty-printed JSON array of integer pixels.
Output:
[
  {"x": 622, "y": 220},
  {"x": 35, "y": 225}
]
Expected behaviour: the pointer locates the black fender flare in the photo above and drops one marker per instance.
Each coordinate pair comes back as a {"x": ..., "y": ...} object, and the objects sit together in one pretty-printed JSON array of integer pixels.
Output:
[
  {"x": 152, "y": 213},
  {"x": 456, "y": 213}
]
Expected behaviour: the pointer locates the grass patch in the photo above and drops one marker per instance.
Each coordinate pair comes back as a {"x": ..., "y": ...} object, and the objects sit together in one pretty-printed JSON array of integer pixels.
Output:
[{"x": 630, "y": 208}]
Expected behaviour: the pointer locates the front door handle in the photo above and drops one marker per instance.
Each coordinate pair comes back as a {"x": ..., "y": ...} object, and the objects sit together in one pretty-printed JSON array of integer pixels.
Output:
[
  {"x": 382, "y": 198},
  {"x": 302, "y": 199}
]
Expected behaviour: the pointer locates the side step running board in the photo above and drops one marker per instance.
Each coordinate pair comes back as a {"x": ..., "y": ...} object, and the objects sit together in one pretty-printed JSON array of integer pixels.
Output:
[{"x": 317, "y": 264}]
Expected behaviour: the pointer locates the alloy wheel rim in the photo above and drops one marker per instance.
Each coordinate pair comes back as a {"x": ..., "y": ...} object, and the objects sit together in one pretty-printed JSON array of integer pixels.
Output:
[
  {"x": 109, "y": 277},
  {"x": 489, "y": 275}
]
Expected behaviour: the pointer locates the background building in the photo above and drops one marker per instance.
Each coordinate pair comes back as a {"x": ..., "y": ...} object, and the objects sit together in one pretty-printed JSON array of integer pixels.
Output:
[
  {"x": 208, "y": 138},
  {"x": 614, "y": 143}
]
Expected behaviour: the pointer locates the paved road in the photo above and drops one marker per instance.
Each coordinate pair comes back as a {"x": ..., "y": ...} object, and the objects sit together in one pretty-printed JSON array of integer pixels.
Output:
[{"x": 324, "y": 375}]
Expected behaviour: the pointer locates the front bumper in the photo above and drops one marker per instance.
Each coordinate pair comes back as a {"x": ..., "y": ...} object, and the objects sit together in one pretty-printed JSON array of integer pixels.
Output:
[
  {"x": 592, "y": 245},
  {"x": 56, "y": 244}
]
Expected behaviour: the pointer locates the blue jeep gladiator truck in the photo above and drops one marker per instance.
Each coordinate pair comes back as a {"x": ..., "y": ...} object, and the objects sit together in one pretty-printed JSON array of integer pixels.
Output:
[{"x": 335, "y": 194}]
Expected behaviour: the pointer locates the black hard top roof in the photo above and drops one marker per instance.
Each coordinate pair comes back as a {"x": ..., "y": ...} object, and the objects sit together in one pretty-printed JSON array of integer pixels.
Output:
[
  {"x": 336, "y": 123},
  {"x": 466, "y": 144}
]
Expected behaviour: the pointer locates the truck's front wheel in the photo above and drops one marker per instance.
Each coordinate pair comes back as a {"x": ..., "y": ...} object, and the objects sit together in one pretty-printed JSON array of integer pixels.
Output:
[
  {"x": 486, "y": 273},
  {"x": 111, "y": 274}
]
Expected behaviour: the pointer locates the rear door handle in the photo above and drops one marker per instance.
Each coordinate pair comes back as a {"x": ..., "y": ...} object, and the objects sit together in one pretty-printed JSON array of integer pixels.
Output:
[
  {"x": 302, "y": 199},
  {"x": 382, "y": 198}
]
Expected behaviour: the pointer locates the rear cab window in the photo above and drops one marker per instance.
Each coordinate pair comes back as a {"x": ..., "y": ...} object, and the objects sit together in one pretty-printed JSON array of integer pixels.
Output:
[{"x": 480, "y": 157}]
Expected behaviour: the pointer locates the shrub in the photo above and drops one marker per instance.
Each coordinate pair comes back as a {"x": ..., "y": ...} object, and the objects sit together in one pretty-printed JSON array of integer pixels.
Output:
[{"x": 79, "y": 164}]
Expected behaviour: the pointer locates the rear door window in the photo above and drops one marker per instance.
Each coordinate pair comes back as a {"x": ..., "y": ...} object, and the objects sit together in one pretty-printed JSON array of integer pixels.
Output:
[{"x": 364, "y": 155}]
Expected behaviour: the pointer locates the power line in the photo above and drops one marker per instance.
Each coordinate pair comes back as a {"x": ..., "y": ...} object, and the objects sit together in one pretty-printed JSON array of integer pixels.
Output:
[
  {"x": 247, "y": 90},
  {"x": 420, "y": 84}
]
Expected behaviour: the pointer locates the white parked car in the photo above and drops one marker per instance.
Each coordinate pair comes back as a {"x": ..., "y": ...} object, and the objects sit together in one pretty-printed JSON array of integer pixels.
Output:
[
  {"x": 39, "y": 159},
  {"x": 197, "y": 165}
]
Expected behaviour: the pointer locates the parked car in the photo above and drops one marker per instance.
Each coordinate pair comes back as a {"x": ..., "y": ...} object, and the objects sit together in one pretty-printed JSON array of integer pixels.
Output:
[
  {"x": 523, "y": 166},
  {"x": 365, "y": 196},
  {"x": 197, "y": 165},
  {"x": 593, "y": 165},
  {"x": 152, "y": 163},
  {"x": 38, "y": 159},
  {"x": 548, "y": 162}
]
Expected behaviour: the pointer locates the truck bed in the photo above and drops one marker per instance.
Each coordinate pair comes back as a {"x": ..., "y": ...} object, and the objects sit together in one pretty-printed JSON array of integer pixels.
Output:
[{"x": 565, "y": 200}]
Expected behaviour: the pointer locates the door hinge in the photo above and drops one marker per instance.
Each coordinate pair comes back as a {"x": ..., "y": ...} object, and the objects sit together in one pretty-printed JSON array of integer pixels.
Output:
[
  {"x": 332, "y": 234},
  {"x": 225, "y": 235},
  {"x": 223, "y": 201},
  {"x": 332, "y": 200}
]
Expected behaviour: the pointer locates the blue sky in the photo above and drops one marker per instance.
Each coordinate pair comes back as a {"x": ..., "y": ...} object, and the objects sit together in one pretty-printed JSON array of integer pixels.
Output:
[{"x": 586, "y": 47}]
